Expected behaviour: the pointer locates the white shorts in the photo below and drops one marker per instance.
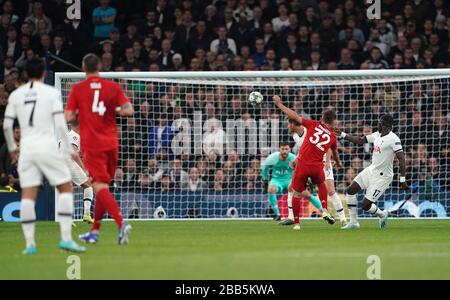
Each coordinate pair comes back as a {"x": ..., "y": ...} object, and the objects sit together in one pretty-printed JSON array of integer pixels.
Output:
[
  {"x": 33, "y": 166},
  {"x": 329, "y": 175},
  {"x": 76, "y": 172},
  {"x": 374, "y": 184}
]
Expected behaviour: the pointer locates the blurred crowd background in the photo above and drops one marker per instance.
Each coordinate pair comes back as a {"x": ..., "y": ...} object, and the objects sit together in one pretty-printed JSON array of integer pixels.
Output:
[{"x": 236, "y": 35}]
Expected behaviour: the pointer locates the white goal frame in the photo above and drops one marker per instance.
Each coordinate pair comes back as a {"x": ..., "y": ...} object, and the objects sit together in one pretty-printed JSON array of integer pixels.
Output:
[{"x": 394, "y": 74}]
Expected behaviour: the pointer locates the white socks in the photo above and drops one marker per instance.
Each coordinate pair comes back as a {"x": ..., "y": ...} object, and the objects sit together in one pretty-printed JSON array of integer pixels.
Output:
[
  {"x": 375, "y": 210},
  {"x": 337, "y": 204},
  {"x": 352, "y": 208},
  {"x": 28, "y": 219},
  {"x": 289, "y": 201},
  {"x": 88, "y": 195},
  {"x": 65, "y": 211}
]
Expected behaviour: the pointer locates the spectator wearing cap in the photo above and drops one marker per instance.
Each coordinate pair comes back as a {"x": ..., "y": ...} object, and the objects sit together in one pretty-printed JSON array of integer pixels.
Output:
[
  {"x": 103, "y": 18},
  {"x": 177, "y": 61}
]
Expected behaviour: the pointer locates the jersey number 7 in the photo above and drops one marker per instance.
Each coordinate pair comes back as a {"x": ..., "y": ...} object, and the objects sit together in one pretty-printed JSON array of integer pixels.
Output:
[
  {"x": 98, "y": 107},
  {"x": 317, "y": 135},
  {"x": 31, "y": 102}
]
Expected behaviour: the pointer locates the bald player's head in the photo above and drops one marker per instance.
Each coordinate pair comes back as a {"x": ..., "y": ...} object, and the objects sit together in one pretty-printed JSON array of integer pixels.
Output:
[{"x": 91, "y": 63}]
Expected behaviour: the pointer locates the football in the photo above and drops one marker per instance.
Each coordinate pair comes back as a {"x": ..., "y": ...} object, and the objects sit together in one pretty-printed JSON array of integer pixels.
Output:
[{"x": 255, "y": 98}]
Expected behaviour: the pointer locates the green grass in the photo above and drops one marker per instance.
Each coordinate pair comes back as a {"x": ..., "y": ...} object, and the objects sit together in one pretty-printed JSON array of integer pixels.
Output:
[{"x": 409, "y": 249}]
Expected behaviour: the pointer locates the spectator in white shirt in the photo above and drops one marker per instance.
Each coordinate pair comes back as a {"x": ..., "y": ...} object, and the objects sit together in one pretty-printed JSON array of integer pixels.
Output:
[
  {"x": 223, "y": 44},
  {"x": 282, "y": 20}
]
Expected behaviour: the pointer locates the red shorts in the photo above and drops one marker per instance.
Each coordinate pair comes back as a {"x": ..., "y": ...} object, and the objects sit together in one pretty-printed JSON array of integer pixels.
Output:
[
  {"x": 101, "y": 164},
  {"x": 303, "y": 172}
]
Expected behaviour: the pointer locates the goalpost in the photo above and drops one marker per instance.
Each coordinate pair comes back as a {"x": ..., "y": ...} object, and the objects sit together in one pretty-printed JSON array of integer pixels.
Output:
[{"x": 195, "y": 146}]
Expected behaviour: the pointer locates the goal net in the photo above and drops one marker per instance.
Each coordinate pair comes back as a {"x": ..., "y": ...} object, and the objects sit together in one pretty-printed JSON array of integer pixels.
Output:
[{"x": 195, "y": 146}]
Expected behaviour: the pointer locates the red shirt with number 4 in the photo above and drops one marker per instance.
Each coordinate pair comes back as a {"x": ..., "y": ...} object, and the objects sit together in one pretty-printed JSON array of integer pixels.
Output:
[
  {"x": 317, "y": 142},
  {"x": 96, "y": 100}
]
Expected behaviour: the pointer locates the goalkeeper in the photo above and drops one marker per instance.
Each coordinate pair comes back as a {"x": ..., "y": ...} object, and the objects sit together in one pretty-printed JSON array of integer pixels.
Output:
[{"x": 281, "y": 175}]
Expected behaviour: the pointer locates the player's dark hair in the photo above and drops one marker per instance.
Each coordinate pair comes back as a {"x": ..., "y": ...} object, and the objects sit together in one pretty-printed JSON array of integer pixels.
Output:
[
  {"x": 387, "y": 120},
  {"x": 292, "y": 121},
  {"x": 328, "y": 116},
  {"x": 91, "y": 63},
  {"x": 285, "y": 143},
  {"x": 35, "y": 68}
]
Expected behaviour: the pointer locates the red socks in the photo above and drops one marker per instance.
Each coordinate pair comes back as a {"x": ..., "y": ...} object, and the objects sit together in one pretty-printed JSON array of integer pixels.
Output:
[
  {"x": 296, "y": 209},
  {"x": 105, "y": 202},
  {"x": 323, "y": 194}
]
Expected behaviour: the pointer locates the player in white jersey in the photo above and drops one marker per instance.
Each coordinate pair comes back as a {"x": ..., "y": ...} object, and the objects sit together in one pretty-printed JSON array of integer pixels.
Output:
[
  {"x": 39, "y": 111},
  {"x": 298, "y": 134},
  {"x": 78, "y": 173},
  {"x": 377, "y": 177}
]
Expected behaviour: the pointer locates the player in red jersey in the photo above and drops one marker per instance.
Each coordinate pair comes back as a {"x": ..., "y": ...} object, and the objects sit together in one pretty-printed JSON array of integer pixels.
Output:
[
  {"x": 96, "y": 102},
  {"x": 319, "y": 138}
]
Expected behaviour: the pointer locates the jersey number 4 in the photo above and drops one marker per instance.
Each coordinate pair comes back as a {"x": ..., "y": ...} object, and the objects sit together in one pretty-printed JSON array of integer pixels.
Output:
[
  {"x": 316, "y": 140},
  {"x": 98, "y": 106}
]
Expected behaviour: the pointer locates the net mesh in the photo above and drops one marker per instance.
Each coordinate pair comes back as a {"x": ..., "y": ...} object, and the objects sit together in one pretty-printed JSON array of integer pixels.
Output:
[{"x": 195, "y": 146}]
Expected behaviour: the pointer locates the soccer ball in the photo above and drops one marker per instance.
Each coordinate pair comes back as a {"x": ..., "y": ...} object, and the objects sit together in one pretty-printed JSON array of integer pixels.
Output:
[{"x": 255, "y": 98}]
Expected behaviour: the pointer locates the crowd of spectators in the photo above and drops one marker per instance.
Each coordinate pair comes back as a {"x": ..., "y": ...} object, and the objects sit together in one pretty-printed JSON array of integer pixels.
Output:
[{"x": 235, "y": 35}]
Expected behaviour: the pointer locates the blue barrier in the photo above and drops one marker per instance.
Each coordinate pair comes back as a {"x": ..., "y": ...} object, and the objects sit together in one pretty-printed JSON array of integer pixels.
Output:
[
  {"x": 45, "y": 206},
  {"x": 212, "y": 205}
]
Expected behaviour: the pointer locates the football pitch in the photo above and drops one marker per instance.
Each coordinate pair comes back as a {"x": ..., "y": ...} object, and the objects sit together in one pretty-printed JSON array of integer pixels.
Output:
[{"x": 408, "y": 249}]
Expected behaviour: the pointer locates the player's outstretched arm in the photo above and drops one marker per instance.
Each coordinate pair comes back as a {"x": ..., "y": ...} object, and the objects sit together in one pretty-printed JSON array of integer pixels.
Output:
[
  {"x": 402, "y": 164},
  {"x": 125, "y": 110},
  {"x": 70, "y": 116},
  {"x": 359, "y": 140},
  {"x": 289, "y": 112}
]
